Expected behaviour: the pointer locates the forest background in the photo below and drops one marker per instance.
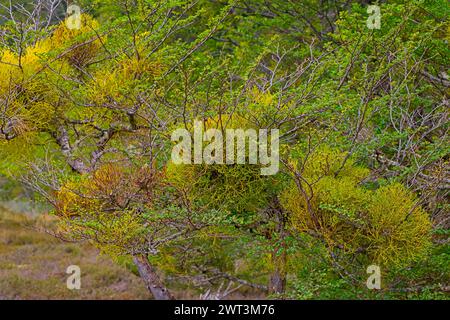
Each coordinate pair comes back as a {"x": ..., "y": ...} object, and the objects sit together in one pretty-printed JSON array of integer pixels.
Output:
[{"x": 87, "y": 113}]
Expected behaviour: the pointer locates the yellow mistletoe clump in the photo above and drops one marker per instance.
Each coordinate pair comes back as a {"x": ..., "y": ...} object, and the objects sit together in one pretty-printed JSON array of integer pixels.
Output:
[
  {"x": 233, "y": 187},
  {"x": 261, "y": 98},
  {"x": 101, "y": 206},
  {"x": 16, "y": 70},
  {"x": 68, "y": 202},
  {"x": 80, "y": 46},
  {"x": 28, "y": 77},
  {"x": 398, "y": 228},
  {"x": 134, "y": 68},
  {"x": 29, "y": 99},
  {"x": 263, "y": 106},
  {"x": 120, "y": 84},
  {"x": 387, "y": 225}
]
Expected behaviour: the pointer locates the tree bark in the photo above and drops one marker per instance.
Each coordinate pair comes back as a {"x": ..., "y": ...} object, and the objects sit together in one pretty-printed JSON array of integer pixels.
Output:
[
  {"x": 277, "y": 282},
  {"x": 151, "y": 278}
]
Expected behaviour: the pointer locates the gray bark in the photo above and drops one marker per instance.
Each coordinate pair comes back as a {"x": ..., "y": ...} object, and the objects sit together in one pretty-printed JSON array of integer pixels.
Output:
[{"x": 151, "y": 278}]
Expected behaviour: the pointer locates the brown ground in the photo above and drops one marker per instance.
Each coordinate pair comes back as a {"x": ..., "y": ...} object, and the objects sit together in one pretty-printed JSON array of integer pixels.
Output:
[{"x": 33, "y": 266}]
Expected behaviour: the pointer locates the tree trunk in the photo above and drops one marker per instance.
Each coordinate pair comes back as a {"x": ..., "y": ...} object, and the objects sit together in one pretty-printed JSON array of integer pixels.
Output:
[
  {"x": 277, "y": 282},
  {"x": 151, "y": 278}
]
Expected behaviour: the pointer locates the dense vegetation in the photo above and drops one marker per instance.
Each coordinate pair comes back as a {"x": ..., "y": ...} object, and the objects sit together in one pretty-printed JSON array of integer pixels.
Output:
[{"x": 86, "y": 117}]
